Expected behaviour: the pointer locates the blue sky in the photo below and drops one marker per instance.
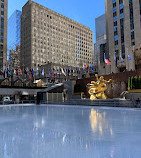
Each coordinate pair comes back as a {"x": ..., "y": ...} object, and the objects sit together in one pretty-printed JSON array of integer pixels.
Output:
[{"x": 81, "y": 11}]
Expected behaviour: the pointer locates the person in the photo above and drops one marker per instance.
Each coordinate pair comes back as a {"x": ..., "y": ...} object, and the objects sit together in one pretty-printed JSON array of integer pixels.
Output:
[
  {"x": 138, "y": 102},
  {"x": 64, "y": 94},
  {"x": 38, "y": 98}
]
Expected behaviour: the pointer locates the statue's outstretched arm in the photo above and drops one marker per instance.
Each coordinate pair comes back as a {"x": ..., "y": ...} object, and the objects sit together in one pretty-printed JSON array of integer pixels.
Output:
[{"x": 108, "y": 81}]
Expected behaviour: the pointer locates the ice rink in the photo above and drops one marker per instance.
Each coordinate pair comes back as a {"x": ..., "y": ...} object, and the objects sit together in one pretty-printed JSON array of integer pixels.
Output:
[{"x": 55, "y": 131}]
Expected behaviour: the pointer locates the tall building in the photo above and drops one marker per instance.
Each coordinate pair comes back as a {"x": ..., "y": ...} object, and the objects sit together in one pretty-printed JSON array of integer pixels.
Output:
[
  {"x": 100, "y": 25},
  {"x": 123, "y": 26},
  {"x": 48, "y": 37},
  {"x": 14, "y": 58},
  {"x": 3, "y": 34},
  {"x": 14, "y": 39},
  {"x": 14, "y": 30}
]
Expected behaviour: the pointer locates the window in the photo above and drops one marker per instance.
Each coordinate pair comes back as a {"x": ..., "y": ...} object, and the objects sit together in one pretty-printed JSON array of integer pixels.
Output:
[{"x": 131, "y": 22}]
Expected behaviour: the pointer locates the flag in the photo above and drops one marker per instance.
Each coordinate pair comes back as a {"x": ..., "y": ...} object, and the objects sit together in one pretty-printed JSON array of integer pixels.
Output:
[
  {"x": 83, "y": 66},
  {"x": 33, "y": 72},
  {"x": 43, "y": 73},
  {"x": 20, "y": 72},
  {"x": 79, "y": 69},
  {"x": 88, "y": 71},
  {"x": 11, "y": 73},
  {"x": 115, "y": 58},
  {"x": 5, "y": 72},
  {"x": 59, "y": 72},
  {"x": 14, "y": 71},
  {"x": 30, "y": 76},
  {"x": 92, "y": 67},
  {"x": 121, "y": 58},
  {"x": 71, "y": 70},
  {"x": 63, "y": 72},
  {"x": 128, "y": 56},
  {"x": 25, "y": 71},
  {"x": 68, "y": 72},
  {"x": 106, "y": 60},
  {"x": 54, "y": 75},
  {"x": 86, "y": 65},
  {"x": 37, "y": 72}
]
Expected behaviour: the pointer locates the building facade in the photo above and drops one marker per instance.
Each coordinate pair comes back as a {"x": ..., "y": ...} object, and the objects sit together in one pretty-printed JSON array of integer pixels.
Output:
[
  {"x": 100, "y": 25},
  {"x": 14, "y": 39},
  {"x": 3, "y": 34},
  {"x": 14, "y": 58},
  {"x": 123, "y": 27},
  {"x": 14, "y": 30},
  {"x": 48, "y": 37}
]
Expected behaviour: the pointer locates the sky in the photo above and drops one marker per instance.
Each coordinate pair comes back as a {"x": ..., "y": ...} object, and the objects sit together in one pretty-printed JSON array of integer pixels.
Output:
[{"x": 81, "y": 11}]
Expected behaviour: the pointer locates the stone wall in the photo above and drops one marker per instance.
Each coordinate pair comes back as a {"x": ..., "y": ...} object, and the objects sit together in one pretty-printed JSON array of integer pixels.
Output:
[{"x": 118, "y": 85}]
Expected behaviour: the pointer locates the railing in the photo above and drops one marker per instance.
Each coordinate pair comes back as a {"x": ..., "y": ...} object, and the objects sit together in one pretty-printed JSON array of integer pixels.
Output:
[{"x": 18, "y": 102}]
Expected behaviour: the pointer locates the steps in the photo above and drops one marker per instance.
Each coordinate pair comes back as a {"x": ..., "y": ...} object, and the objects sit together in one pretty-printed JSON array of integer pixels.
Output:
[{"x": 88, "y": 102}]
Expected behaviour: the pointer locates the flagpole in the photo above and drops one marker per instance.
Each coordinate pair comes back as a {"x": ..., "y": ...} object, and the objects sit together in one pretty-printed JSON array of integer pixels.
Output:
[
  {"x": 104, "y": 63},
  {"x": 127, "y": 58}
]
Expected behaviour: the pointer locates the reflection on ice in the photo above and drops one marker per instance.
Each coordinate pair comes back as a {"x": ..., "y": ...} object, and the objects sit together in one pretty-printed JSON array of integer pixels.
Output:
[
  {"x": 66, "y": 132},
  {"x": 99, "y": 123}
]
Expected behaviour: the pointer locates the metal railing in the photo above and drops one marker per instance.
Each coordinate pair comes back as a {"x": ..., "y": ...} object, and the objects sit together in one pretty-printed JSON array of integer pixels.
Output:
[{"x": 18, "y": 102}]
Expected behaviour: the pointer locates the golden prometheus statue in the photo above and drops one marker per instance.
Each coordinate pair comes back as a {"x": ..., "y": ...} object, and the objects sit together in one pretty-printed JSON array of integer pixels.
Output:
[{"x": 98, "y": 88}]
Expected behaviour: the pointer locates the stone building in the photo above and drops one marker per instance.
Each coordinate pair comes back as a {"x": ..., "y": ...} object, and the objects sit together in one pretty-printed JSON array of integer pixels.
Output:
[
  {"x": 14, "y": 58},
  {"x": 100, "y": 25},
  {"x": 3, "y": 34},
  {"x": 48, "y": 37},
  {"x": 123, "y": 26}
]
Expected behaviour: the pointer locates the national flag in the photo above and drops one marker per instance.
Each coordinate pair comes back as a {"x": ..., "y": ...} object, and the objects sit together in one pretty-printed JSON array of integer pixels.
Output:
[
  {"x": 63, "y": 72},
  {"x": 88, "y": 71},
  {"x": 20, "y": 72},
  {"x": 30, "y": 76},
  {"x": 5, "y": 72},
  {"x": 79, "y": 69},
  {"x": 37, "y": 72},
  {"x": 54, "y": 75},
  {"x": 86, "y": 65},
  {"x": 121, "y": 58},
  {"x": 115, "y": 58},
  {"x": 59, "y": 72},
  {"x": 11, "y": 73},
  {"x": 106, "y": 60},
  {"x": 128, "y": 56},
  {"x": 43, "y": 73},
  {"x": 83, "y": 66},
  {"x": 14, "y": 71},
  {"x": 25, "y": 71},
  {"x": 92, "y": 67}
]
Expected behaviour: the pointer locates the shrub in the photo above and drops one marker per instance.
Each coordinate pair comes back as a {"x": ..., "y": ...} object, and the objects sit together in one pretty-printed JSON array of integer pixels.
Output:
[{"x": 134, "y": 83}]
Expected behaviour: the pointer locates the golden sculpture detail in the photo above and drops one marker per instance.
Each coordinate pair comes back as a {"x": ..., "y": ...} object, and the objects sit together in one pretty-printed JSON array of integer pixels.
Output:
[{"x": 98, "y": 88}]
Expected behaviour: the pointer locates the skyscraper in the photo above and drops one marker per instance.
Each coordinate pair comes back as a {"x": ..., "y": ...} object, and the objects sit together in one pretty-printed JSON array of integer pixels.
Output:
[
  {"x": 100, "y": 29},
  {"x": 3, "y": 34},
  {"x": 14, "y": 38},
  {"x": 123, "y": 22},
  {"x": 48, "y": 37},
  {"x": 14, "y": 30}
]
